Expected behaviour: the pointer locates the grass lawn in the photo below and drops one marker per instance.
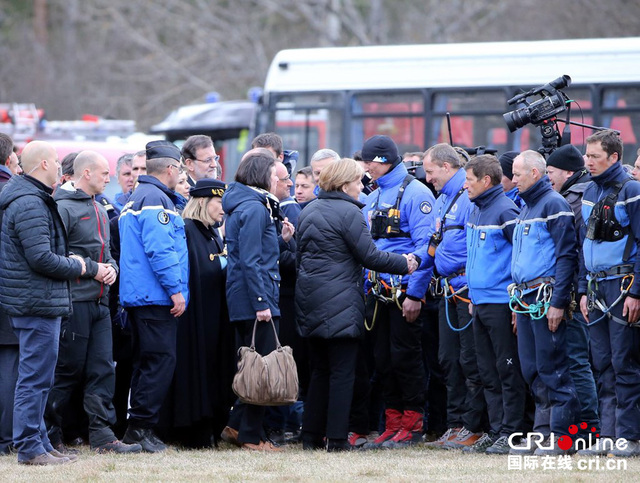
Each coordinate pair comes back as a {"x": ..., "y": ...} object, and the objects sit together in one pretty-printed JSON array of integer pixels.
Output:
[{"x": 293, "y": 464}]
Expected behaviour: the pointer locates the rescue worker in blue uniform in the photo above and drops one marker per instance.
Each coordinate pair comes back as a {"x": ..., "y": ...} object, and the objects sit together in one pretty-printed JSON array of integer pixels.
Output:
[
  {"x": 543, "y": 264},
  {"x": 154, "y": 271},
  {"x": 569, "y": 177},
  {"x": 489, "y": 234},
  {"x": 610, "y": 291},
  {"x": 400, "y": 216},
  {"x": 447, "y": 251}
]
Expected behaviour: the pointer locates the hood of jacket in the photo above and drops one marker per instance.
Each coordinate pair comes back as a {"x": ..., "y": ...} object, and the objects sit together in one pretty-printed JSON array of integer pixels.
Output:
[
  {"x": 238, "y": 193},
  {"x": 19, "y": 186},
  {"x": 69, "y": 192}
]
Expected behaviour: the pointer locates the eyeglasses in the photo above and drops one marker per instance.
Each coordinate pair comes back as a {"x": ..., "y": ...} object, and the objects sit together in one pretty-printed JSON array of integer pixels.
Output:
[
  {"x": 286, "y": 178},
  {"x": 213, "y": 159},
  {"x": 172, "y": 165}
]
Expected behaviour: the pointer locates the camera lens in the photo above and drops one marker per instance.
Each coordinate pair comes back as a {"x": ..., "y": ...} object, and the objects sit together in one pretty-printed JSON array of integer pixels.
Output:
[{"x": 518, "y": 118}]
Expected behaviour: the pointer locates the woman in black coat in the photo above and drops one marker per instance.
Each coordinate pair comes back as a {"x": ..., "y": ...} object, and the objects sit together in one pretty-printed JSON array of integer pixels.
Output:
[
  {"x": 334, "y": 244},
  {"x": 200, "y": 397}
]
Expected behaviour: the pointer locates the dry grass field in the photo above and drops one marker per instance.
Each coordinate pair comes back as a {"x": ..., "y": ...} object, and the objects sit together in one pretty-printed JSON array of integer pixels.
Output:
[{"x": 293, "y": 464}]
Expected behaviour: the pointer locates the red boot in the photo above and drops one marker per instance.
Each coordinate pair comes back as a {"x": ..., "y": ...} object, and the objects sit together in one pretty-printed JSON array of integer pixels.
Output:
[
  {"x": 392, "y": 424},
  {"x": 410, "y": 432}
]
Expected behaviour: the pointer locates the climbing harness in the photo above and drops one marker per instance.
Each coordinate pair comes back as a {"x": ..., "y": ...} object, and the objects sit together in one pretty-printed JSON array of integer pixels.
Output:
[
  {"x": 536, "y": 310},
  {"x": 447, "y": 291},
  {"x": 384, "y": 292},
  {"x": 594, "y": 301}
]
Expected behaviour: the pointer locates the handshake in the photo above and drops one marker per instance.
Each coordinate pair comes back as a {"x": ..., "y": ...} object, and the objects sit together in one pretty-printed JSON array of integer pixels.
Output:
[{"x": 412, "y": 262}]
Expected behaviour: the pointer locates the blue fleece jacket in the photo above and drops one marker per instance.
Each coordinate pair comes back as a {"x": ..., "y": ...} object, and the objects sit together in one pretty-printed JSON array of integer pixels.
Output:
[
  {"x": 489, "y": 234},
  {"x": 416, "y": 218}
]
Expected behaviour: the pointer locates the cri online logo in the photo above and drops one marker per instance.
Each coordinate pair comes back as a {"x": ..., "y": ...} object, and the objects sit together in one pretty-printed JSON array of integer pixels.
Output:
[{"x": 566, "y": 442}]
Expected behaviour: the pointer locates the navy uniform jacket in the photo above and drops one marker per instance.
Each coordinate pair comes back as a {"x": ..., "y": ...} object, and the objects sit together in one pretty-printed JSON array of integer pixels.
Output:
[
  {"x": 602, "y": 255},
  {"x": 544, "y": 241},
  {"x": 154, "y": 263}
]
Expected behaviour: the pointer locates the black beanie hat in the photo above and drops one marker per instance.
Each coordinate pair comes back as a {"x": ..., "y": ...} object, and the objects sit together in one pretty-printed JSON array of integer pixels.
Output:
[
  {"x": 506, "y": 163},
  {"x": 380, "y": 149},
  {"x": 566, "y": 157}
]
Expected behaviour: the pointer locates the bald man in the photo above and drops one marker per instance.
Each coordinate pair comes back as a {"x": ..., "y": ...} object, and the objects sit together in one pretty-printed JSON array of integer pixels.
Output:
[
  {"x": 35, "y": 270},
  {"x": 85, "y": 358}
]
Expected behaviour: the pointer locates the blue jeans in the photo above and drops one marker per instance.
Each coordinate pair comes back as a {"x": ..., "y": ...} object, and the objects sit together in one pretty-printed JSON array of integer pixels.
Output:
[
  {"x": 38, "y": 339},
  {"x": 9, "y": 356}
]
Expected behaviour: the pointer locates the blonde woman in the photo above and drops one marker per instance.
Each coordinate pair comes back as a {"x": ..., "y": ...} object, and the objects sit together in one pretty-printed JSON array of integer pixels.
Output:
[{"x": 334, "y": 244}]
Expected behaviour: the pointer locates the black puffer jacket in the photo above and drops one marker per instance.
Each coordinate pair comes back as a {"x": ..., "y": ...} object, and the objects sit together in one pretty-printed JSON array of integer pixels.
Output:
[
  {"x": 34, "y": 266},
  {"x": 333, "y": 246}
]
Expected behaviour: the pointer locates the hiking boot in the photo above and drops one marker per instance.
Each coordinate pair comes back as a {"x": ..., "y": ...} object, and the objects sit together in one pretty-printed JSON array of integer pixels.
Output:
[
  {"x": 393, "y": 424},
  {"x": 465, "y": 438},
  {"x": 549, "y": 447},
  {"x": 526, "y": 447},
  {"x": 602, "y": 447},
  {"x": 410, "y": 432},
  {"x": 311, "y": 442},
  {"x": 357, "y": 440},
  {"x": 448, "y": 435},
  {"x": 58, "y": 454},
  {"x": 480, "y": 446},
  {"x": 632, "y": 449},
  {"x": 500, "y": 446},
  {"x": 146, "y": 438},
  {"x": 118, "y": 447},
  {"x": 230, "y": 435},
  {"x": 45, "y": 459},
  {"x": 293, "y": 437}
]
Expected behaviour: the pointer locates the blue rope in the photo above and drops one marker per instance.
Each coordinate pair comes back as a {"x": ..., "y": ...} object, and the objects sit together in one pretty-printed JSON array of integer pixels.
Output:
[{"x": 446, "y": 310}]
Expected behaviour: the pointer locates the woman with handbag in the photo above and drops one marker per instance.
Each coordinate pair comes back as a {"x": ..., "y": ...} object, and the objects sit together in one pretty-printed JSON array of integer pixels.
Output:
[
  {"x": 334, "y": 244},
  {"x": 253, "y": 277}
]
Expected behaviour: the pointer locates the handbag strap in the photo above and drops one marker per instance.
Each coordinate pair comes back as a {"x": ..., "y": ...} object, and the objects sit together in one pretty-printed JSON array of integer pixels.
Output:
[{"x": 275, "y": 333}]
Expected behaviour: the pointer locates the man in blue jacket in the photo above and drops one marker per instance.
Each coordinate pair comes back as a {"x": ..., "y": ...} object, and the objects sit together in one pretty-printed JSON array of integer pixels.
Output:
[
  {"x": 154, "y": 270},
  {"x": 400, "y": 216},
  {"x": 610, "y": 281},
  {"x": 543, "y": 264},
  {"x": 489, "y": 233},
  {"x": 447, "y": 251}
]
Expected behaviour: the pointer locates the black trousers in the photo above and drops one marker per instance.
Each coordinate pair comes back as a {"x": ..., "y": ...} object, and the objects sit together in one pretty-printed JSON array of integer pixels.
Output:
[
  {"x": 465, "y": 398},
  {"x": 154, "y": 360},
  {"x": 436, "y": 407},
  {"x": 247, "y": 418},
  {"x": 85, "y": 360},
  {"x": 326, "y": 410},
  {"x": 398, "y": 353},
  {"x": 499, "y": 366}
]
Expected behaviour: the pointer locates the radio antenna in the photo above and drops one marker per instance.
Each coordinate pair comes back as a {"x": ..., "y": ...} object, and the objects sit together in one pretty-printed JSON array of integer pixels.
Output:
[{"x": 449, "y": 127}]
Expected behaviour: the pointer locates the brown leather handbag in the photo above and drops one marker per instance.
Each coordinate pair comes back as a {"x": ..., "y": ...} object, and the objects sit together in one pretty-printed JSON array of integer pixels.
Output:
[{"x": 270, "y": 380}]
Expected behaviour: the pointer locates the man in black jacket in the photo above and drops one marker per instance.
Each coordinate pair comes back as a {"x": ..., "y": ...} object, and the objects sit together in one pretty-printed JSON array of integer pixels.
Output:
[
  {"x": 35, "y": 269},
  {"x": 85, "y": 354}
]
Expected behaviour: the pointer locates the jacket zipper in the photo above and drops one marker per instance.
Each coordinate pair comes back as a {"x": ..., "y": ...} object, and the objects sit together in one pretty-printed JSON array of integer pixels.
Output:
[{"x": 95, "y": 206}]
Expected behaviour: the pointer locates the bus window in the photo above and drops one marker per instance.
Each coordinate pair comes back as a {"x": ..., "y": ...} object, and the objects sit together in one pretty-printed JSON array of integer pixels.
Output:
[
  {"x": 615, "y": 100},
  {"x": 471, "y": 131},
  {"x": 307, "y": 123},
  {"x": 397, "y": 115}
]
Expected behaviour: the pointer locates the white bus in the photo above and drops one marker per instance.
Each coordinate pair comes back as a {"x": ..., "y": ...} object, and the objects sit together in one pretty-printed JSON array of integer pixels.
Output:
[{"x": 338, "y": 97}]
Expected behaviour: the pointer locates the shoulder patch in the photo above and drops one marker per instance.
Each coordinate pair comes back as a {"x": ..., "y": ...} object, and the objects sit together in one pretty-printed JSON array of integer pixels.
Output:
[
  {"x": 425, "y": 207},
  {"x": 163, "y": 217},
  {"x": 454, "y": 208}
]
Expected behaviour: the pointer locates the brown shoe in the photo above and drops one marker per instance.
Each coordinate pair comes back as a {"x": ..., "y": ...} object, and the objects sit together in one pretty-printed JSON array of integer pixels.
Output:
[
  {"x": 269, "y": 446},
  {"x": 450, "y": 434},
  {"x": 58, "y": 454},
  {"x": 465, "y": 438},
  {"x": 262, "y": 446},
  {"x": 230, "y": 435},
  {"x": 251, "y": 446},
  {"x": 45, "y": 459}
]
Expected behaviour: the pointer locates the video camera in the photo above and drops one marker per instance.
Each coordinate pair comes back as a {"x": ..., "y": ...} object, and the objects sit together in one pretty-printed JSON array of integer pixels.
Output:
[{"x": 553, "y": 102}]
